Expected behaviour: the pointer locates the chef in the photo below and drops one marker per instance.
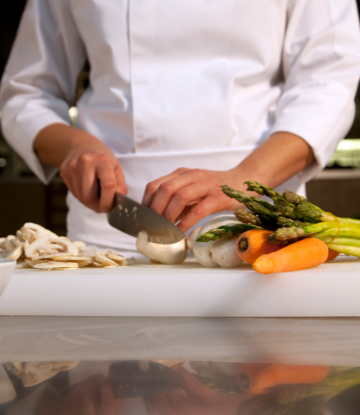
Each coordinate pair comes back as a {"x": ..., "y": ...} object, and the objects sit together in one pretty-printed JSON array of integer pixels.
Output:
[{"x": 184, "y": 96}]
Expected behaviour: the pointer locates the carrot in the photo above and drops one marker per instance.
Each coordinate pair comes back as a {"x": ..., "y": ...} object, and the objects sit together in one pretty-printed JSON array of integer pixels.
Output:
[
  {"x": 332, "y": 255},
  {"x": 256, "y": 379},
  {"x": 307, "y": 253},
  {"x": 254, "y": 243}
]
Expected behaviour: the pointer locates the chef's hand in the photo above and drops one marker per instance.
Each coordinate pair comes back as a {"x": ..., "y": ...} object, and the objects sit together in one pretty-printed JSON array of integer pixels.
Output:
[
  {"x": 197, "y": 399},
  {"x": 93, "y": 396},
  {"x": 191, "y": 195},
  {"x": 83, "y": 160}
]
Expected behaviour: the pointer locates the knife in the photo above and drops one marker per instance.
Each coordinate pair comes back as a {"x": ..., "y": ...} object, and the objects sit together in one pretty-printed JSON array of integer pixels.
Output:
[{"x": 131, "y": 217}]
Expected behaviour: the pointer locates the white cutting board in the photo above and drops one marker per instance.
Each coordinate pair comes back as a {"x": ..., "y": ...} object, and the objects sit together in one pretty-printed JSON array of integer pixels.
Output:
[{"x": 187, "y": 290}]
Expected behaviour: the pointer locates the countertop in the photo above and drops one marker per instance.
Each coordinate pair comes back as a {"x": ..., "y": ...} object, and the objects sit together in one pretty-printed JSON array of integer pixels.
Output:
[{"x": 205, "y": 355}]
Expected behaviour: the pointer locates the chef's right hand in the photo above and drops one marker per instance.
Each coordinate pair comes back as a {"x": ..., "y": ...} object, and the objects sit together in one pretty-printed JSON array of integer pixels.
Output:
[
  {"x": 93, "y": 396},
  {"x": 84, "y": 161},
  {"x": 87, "y": 165}
]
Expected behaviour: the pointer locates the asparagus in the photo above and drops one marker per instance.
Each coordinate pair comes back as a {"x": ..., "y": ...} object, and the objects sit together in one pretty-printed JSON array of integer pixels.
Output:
[
  {"x": 293, "y": 197},
  {"x": 330, "y": 386},
  {"x": 225, "y": 231},
  {"x": 322, "y": 230},
  {"x": 301, "y": 209},
  {"x": 295, "y": 217},
  {"x": 254, "y": 204},
  {"x": 284, "y": 222},
  {"x": 245, "y": 216}
]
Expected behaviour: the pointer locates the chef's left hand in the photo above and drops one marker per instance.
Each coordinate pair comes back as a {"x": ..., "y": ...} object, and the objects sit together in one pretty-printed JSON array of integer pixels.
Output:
[
  {"x": 190, "y": 195},
  {"x": 198, "y": 400}
]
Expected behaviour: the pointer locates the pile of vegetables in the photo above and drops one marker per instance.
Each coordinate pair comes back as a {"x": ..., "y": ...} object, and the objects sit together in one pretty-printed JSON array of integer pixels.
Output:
[
  {"x": 288, "y": 235},
  {"x": 291, "y": 389}
]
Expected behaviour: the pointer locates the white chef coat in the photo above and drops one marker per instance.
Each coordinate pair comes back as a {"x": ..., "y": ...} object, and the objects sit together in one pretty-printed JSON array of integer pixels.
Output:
[{"x": 182, "y": 83}]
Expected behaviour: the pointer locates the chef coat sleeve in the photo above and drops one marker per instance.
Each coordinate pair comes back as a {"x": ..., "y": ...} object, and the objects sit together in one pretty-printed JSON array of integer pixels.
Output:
[
  {"x": 321, "y": 66},
  {"x": 39, "y": 82}
]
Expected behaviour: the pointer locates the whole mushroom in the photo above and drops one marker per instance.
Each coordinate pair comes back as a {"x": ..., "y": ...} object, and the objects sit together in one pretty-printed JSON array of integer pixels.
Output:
[
  {"x": 220, "y": 253},
  {"x": 170, "y": 254}
]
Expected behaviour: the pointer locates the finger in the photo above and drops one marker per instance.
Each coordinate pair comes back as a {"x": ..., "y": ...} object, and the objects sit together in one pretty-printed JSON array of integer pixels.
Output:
[
  {"x": 109, "y": 405},
  {"x": 185, "y": 197},
  {"x": 200, "y": 211},
  {"x": 106, "y": 175},
  {"x": 152, "y": 187},
  {"x": 195, "y": 387},
  {"x": 68, "y": 178},
  {"x": 172, "y": 188},
  {"x": 88, "y": 183},
  {"x": 163, "y": 405},
  {"x": 176, "y": 398},
  {"x": 120, "y": 181},
  {"x": 149, "y": 406}
]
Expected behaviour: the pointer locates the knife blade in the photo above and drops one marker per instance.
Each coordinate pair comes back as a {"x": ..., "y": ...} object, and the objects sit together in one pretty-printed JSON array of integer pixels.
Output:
[{"x": 131, "y": 217}]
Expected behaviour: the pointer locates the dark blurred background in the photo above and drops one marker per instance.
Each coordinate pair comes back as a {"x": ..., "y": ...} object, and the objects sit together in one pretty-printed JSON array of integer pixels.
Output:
[{"x": 25, "y": 199}]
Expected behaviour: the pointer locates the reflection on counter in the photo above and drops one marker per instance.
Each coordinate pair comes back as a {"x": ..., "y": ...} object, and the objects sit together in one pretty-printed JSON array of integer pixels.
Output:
[{"x": 168, "y": 387}]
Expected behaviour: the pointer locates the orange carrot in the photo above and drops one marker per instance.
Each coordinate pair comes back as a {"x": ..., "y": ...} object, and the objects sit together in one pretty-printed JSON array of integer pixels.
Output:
[
  {"x": 332, "y": 255},
  {"x": 307, "y": 253},
  {"x": 254, "y": 243},
  {"x": 256, "y": 379}
]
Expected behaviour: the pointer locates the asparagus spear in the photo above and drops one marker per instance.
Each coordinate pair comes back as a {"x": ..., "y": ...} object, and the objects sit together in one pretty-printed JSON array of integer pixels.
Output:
[
  {"x": 320, "y": 230},
  {"x": 225, "y": 231},
  {"x": 245, "y": 216},
  {"x": 254, "y": 204},
  {"x": 284, "y": 222},
  {"x": 293, "y": 197},
  {"x": 293, "y": 206},
  {"x": 330, "y": 386}
]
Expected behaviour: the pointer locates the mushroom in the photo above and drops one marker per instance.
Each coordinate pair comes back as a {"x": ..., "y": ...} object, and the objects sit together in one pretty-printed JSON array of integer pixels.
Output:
[
  {"x": 33, "y": 373},
  {"x": 215, "y": 253},
  {"x": 48, "y": 265},
  {"x": 87, "y": 251},
  {"x": 79, "y": 244},
  {"x": 104, "y": 260},
  {"x": 34, "y": 231},
  {"x": 47, "y": 244},
  {"x": 119, "y": 259},
  {"x": 170, "y": 254},
  {"x": 15, "y": 254},
  {"x": 224, "y": 252},
  {"x": 11, "y": 242}
]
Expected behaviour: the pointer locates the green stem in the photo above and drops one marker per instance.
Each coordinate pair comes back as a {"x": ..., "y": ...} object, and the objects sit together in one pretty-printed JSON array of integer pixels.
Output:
[
  {"x": 225, "y": 231},
  {"x": 347, "y": 250}
]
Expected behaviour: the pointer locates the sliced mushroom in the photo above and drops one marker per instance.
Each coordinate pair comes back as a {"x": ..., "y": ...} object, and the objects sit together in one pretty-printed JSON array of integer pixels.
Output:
[
  {"x": 35, "y": 230},
  {"x": 47, "y": 265},
  {"x": 87, "y": 251},
  {"x": 79, "y": 244},
  {"x": 32, "y": 249},
  {"x": 34, "y": 373},
  {"x": 119, "y": 259},
  {"x": 101, "y": 258},
  {"x": 129, "y": 261},
  {"x": 170, "y": 254},
  {"x": 60, "y": 258},
  {"x": 11, "y": 242},
  {"x": 16, "y": 253},
  {"x": 85, "y": 263},
  {"x": 48, "y": 244}
]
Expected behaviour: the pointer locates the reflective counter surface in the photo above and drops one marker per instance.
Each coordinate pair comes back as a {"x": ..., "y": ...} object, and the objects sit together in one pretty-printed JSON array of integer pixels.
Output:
[{"x": 173, "y": 366}]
